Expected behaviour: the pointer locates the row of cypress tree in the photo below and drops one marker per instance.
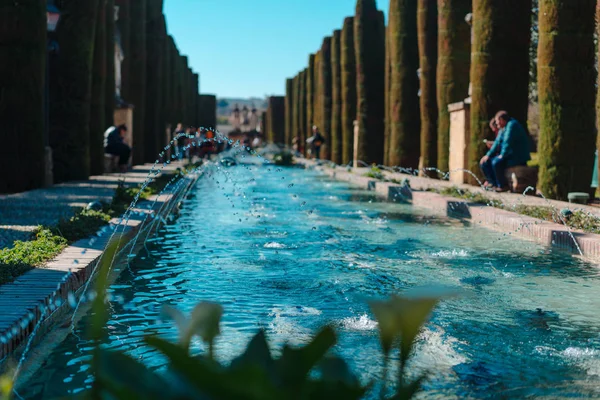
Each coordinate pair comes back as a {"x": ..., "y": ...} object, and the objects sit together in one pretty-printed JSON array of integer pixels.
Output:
[
  {"x": 397, "y": 82},
  {"x": 156, "y": 80}
]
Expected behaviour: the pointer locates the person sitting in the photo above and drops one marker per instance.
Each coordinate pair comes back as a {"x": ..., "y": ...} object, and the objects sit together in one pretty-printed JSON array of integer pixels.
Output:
[
  {"x": 114, "y": 144},
  {"x": 495, "y": 130},
  {"x": 315, "y": 142},
  {"x": 510, "y": 149}
]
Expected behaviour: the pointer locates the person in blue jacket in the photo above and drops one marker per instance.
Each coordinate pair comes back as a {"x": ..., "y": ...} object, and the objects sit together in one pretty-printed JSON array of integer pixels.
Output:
[{"x": 510, "y": 149}]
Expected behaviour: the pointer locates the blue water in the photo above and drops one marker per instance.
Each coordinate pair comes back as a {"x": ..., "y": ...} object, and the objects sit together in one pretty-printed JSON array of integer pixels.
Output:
[{"x": 290, "y": 250}]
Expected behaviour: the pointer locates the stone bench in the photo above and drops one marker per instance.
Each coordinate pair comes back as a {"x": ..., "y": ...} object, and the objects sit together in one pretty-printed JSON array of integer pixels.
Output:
[
  {"x": 111, "y": 163},
  {"x": 521, "y": 177}
]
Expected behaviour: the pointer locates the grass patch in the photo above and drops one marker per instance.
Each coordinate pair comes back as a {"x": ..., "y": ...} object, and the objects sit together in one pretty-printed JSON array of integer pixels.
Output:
[
  {"x": 47, "y": 242},
  {"x": 82, "y": 225},
  {"x": 375, "y": 173},
  {"x": 574, "y": 219},
  {"x": 469, "y": 196},
  {"x": 24, "y": 256}
]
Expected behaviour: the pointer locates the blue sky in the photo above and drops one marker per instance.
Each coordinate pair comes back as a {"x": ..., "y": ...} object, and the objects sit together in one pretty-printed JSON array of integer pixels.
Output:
[{"x": 244, "y": 48}]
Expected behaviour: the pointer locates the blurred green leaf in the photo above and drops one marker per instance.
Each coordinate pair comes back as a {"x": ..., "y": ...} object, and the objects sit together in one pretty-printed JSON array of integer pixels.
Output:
[
  {"x": 407, "y": 392},
  {"x": 335, "y": 369},
  {"x": 204, "y": 322},
  {"x": 257, "y": 353},
  {"x": 206, "y": 319},
  {"x": 295, "y": 364},
  {"x": 211, "y": 379},
  {"x": 122, "y": 374}
]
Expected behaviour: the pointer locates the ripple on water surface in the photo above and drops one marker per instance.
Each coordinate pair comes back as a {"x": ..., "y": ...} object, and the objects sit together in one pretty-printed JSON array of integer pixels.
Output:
[{"x": 292, "y": 259}]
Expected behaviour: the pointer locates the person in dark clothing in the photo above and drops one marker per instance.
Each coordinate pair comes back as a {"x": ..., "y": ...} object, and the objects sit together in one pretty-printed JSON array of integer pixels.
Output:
[
  {"x": 511, "y": 148},
  {"x": 316, "y": 141},
  {"x": 115, "y": 145}
]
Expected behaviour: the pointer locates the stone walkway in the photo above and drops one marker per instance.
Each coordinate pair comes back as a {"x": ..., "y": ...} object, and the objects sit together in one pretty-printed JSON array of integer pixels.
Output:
[{"x": 21, "y": 213}]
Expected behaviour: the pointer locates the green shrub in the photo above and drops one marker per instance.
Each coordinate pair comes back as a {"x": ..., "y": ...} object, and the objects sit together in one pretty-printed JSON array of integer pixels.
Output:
[
  {"x": 465, "y": 194},
  {"x": 375, "y": 173},
  {"x": 81, "y": 225},
  {"x": 24, "y": 256}
]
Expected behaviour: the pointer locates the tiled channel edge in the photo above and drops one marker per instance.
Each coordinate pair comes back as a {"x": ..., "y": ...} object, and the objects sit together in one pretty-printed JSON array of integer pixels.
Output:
[
  {"x": 22, "y": 302},
  {"x": 544, "y": 232}
]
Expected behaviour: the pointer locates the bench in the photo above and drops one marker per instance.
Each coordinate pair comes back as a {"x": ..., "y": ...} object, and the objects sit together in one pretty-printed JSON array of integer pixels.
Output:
[
  {"x": 521, "y": 177},
  {"x": 111, "y": 163}
]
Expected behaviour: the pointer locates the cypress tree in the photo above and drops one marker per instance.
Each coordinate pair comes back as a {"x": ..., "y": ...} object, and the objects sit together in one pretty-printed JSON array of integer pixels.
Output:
[
  {"x": 369, "y": 39},
  {"x": 184, "y": 89},
  {"x": 499, "y": 67},
  {"x": 276, "y": 118},
  {"x": 405, "y": 124},
  {"x": 348, "y": 94},
  {"x": 298, "y": 126},
  {"x": 454, "y": 60},
  {"x": 310, "y": 93},
  {"x": 294, "y": 113},
  {"x": 387, "y": 122},
  {"x": 98, "y": 96},
  {"x": 71, "y": 87},
  {"x": 336, "y": 99},
  {"x": 196, "y": 94},
  {"x": 427, "y": 38},
  {"x": 263, "y": 127},
  {"x": 289, "y": 88},
  {"x": 208, "y": 111},
  {"x": 23, "y": 51},
  {"x": 137, "y": 77},
  {"x": 301, "y": 108},
  {"x": 125, "y": 31},
  {"x": 566, "y": 93},
  {"x": 325, "y": 97},
  {"x": 176, "y": 102},
  {"x": 154, "y": 73},
  {"x": 109, "y": 91},
  {"x": 317, "y": 97},
  {"x": 167, "y": 109}
]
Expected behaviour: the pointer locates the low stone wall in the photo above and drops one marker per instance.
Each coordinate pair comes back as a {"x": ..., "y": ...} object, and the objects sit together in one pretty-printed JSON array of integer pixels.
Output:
[
  {"x": 544, "y": 232},
  {"x": 39, "y": 299}
]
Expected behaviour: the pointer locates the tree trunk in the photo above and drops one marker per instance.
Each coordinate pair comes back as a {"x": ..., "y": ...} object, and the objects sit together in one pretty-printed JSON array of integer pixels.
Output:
[
  {"x": 427, "y": 35},
  {"x": 71, "y": 87},
  {"x": 317, "y": 97},
  {"x": 276, "y": 118},
  {"x": 137, "y": 77},
  {"x": 369, "y": 39},
  {"x": 325, "y": 97},
  {"x": 348, "y": 94},
  {"x": 109, "y": 91},
  {"x": 98, "y": 107},
  {"x": 23, "y": 51},
  {"x": 125, "y": 30},
  {"x": 208, "y": 109},
  {"x": 454, "y": 60},
  {"x": 289, "y": 89},
  {"x": 386, "y": 105},
  {"x": 294, "y": 109},
  {"x": 405, "y": 124},
  {"x": 566, "y": 93},
  {"x": 263, "y": 126},
  {"x": 153, "y": 121},
  {"x": 166, "y": 91},
  {"x": 310, "y": 93},
  {"x": 301, "y": 106},
  {"x": 336, "y": 99},
  {"x": 499, "y": 68}
]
